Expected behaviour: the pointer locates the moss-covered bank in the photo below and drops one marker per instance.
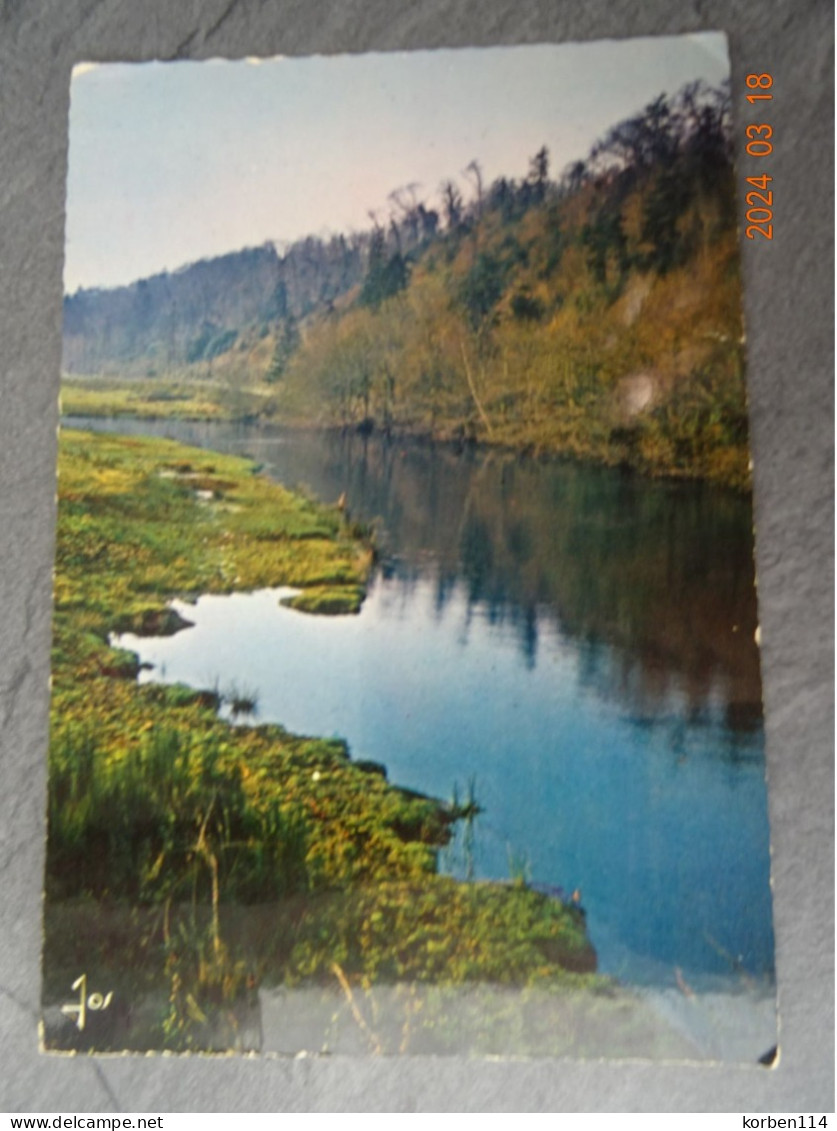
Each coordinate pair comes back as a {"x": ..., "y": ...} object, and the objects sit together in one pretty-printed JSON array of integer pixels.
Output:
[{"x": 156, "y": 802}]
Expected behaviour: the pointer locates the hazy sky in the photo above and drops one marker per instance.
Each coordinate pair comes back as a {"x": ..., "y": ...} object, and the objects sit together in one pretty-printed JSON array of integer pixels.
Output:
[{"x": 172, "y": 162}]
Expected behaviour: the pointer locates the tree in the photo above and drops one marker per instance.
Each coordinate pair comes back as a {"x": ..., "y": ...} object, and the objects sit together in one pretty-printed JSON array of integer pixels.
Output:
[
  {"x": 502, "y": 198},
  {"x": 482, "y": 288},
  {"x": 605, "y": 240},
  {"x": 287, "y": 341},
  {"x": 428, "y": 222},
  {"x": 473, "y": 169},
  {"x": 452, "y": 204},
  {"x": 575, "y": 175},
  {"x": 539, "y": 173},
  {"x": 278, "y": 304},
  {"x": 664, "y": 206},
  {"x": 386, "y": 275}
]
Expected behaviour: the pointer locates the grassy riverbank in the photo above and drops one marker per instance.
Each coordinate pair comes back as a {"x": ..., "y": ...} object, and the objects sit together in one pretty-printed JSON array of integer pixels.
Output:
[
  {"x": 165, "y": 816},
  {"x": 181, "y": 398}
]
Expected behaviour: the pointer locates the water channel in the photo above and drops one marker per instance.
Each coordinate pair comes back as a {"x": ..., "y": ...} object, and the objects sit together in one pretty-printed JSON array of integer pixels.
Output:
[{"x": 574, "y": 644}]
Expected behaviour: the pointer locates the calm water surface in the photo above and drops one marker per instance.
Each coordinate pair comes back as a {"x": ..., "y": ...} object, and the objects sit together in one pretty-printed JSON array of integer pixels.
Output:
[{"x": 574, "y": 644}]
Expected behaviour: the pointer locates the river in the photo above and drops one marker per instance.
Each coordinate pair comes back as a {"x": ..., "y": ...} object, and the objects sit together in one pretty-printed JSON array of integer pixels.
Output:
[{"x": 573, "y": 644}]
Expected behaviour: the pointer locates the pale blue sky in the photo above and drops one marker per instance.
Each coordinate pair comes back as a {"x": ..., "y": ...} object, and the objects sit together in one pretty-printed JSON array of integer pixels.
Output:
[{"x": 173, "y": 162}]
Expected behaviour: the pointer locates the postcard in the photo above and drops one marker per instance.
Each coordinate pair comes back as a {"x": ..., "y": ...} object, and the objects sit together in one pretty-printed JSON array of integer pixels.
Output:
[{"x": 406, "y": 693}]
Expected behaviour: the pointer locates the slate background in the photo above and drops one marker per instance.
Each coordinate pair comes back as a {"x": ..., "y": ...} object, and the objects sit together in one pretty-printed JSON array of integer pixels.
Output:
[{"x": 790, "y": 319}]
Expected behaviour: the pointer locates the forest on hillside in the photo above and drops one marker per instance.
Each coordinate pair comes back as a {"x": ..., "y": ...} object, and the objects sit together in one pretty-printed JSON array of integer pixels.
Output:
[{"x": 594, "y": 313}]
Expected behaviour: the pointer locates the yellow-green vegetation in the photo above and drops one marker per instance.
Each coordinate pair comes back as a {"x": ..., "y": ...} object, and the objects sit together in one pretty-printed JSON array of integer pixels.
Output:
[
  {"x": 559, "y": 330},
  {"x": 155, "y": 801},
  {"x": 446, "y": 932},
  {"x": 187, "y": 398},
  {"x": 327, "y": 599}
]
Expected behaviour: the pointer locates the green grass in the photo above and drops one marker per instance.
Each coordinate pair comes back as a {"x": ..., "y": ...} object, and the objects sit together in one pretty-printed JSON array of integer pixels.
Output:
[
  {"x": 328, "y": 599},
  {"x": 141, "y": 398},
  {"x": 184, "y": 397},
  {"x": 154, "y": 801}
]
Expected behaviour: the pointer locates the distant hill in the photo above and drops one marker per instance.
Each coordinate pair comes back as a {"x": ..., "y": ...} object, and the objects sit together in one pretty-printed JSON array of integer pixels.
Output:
[
  {"x": 197, "y": 313},
  {"x": 595, "y": 314}
]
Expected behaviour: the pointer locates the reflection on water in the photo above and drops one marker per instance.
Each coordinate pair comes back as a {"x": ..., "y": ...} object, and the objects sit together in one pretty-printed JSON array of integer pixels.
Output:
[
  {"x": 662, "y": 572},
  {"x": 576, "y": 642}
]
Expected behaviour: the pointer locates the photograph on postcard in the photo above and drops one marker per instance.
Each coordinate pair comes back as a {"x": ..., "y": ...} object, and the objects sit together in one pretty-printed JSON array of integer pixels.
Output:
[{"x": 406, "y": 693}]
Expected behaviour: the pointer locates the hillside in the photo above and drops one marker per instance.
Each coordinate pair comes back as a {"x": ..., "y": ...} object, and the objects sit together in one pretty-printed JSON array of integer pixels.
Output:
[
  {"x": 596, "y": 315},
  {"x": 206, "y": 309}
]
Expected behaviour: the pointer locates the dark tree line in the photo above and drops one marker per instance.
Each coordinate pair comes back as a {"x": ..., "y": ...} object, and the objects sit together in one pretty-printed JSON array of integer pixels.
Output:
[{"x": 681, "y": 147}]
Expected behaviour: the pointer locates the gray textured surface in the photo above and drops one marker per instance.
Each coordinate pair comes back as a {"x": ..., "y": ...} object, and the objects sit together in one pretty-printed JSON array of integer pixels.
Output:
[{"x": 789, "y": 309}]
